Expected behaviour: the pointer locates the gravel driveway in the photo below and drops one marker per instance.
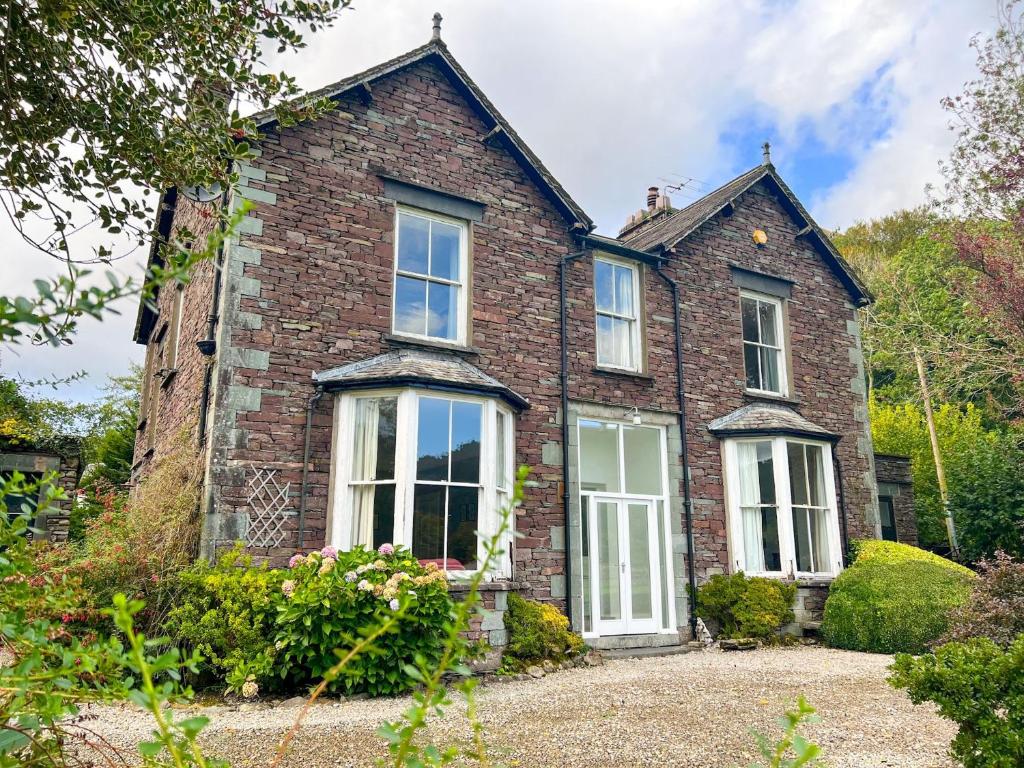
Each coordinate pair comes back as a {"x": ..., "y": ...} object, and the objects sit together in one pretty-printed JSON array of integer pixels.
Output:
[{"x": 694, "y": 710}]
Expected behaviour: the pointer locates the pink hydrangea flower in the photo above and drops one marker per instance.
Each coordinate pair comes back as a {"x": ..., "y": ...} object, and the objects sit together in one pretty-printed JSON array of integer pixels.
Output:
[
  {"x": 296, "y": 560},
  {"x": 331, "y": 552},
  {"x": 386, "y": 549},
  {"x": 364, "y": 585},
  {"x": 351, "y": 576},
  {"x": 394, "y": 604},
  {"x": 288, "y": 587}
]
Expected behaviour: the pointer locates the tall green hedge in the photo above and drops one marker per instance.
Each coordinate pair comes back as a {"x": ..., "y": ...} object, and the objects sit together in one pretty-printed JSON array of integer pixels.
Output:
[{"x": 894, "y": 598}]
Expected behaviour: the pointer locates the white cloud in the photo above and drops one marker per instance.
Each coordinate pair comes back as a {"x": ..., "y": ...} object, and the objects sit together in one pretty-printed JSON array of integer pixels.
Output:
[{"x": 616, "y": 96}]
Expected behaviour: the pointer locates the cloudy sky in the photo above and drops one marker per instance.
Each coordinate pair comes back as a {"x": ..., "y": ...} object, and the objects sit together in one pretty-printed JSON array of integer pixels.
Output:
[{"x": 616, "y": 96}]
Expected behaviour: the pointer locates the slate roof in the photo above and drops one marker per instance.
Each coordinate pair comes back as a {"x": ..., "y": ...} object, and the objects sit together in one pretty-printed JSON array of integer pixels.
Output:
[
  {"x": 437, "y": 52},
  {"x": 683, "y": 223},
  {"x": 767, "y": 419},
  {"x": 405, "y": 367}
]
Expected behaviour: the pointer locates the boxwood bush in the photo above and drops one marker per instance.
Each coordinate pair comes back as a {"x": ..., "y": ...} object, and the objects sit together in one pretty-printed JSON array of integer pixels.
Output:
[
  {"x": 894, "y": 598},
  {"x": 980, "y": 687},
  {"x": 746, "y": 607}
]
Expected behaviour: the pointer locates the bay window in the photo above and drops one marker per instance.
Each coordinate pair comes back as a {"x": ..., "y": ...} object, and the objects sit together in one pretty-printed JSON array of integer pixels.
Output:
[
  {"x": 783, "y": 517},
  {"x": 423, "y": 470},
  {"x": 430, "y": 294}
]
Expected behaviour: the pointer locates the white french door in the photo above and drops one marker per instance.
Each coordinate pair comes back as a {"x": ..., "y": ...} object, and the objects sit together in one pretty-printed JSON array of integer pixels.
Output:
[{"x": 624, "y": 565}]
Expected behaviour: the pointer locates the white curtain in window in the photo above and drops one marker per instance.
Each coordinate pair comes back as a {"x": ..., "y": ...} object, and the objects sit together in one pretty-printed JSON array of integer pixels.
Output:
[
  {"x": 750, "y": 500},
  {"x": 364, "y": 464}
]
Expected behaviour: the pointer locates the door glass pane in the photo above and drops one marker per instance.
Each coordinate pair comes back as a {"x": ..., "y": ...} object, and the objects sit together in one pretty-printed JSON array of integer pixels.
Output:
[
  {"x": 428, "y": 523},
  {"x": 443, "y": 310},
  {"x": 599, "y": 456},
  {"x": 769, "y": 322},
  {"x": 642, "y": 449},
  {"x": 466, "y": 442},
  {"x": 748, "y": 308},
  {"x": 444, "y": 250},
  {"x": 663, "y": 581},
  {"x": 885, "y": 507},
  {"x": 463, "y": 523},
  {"x": 412, "y": 243},
  {"x": 640, "y": 571},
  {"x": 410, "y": 305},
  {"x": 604, "y": 290},
  {"x": 751, "y": 366},
  {"x": 609, "y": 559},
  {"x": 432, "y": 439},
  {"x": 588, "y": 618}
]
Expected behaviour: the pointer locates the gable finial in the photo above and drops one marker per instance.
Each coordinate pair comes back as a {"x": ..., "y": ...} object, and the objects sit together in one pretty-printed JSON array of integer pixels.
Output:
[
  {"x": 766, "y": 153},
  {"x": 437, "y": 26}
]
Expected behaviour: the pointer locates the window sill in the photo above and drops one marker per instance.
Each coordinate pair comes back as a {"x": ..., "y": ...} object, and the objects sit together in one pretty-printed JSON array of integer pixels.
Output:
[
  {"x": 770, "y": 398},
  {"x": 168, "y": 377},
  {"x": 498, "y": 585},
  {"x": 638, "y": 375},
  {"x": 397, "y": 340}
]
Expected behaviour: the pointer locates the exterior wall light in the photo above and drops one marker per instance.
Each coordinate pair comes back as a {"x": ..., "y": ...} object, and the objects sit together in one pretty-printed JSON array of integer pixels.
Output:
[{"x": 760, "y": 237}]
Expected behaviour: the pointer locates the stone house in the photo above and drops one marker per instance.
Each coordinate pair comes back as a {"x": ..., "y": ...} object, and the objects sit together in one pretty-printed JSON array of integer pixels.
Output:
[{"x": 415, "y": 306}]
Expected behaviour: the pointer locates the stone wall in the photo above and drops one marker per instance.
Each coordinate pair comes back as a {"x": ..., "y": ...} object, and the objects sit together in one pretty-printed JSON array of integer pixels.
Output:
[
  {"x": 896, "y": 481},
  {"x": 54, "y": 523}
]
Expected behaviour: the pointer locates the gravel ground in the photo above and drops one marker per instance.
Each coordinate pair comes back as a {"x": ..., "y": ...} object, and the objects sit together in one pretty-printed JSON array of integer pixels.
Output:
[{"x": 695, "y": 709}]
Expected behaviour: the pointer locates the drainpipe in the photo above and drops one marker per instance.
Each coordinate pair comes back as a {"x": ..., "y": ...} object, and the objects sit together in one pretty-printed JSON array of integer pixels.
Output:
[
  {"x": 313, "y": 400},
  {"x": 691, "y": 573},
  {"x": 564, "y": 312},
  {"x": 208, "y": 346}
]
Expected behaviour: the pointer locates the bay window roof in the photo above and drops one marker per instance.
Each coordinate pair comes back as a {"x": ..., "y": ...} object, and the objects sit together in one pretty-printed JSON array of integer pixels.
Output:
[
  {"x": 768, "y": 419},
  {"x": 414, "y": 367}
]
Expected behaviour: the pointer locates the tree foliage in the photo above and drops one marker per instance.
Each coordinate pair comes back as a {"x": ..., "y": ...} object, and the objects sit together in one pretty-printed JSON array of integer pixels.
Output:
[
  {"x": 983, "y": 470},
  {"x": 101, "y": 103},
  {"x": 984, "y": 193}
]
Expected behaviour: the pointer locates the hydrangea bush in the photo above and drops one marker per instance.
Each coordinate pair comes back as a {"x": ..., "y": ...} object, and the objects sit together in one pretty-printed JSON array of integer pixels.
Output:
[{"x": 328, "y": 597}]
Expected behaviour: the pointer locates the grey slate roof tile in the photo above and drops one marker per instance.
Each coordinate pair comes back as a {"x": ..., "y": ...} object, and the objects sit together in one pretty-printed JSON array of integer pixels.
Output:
[
  {"x": 415, "y": 366},
  {"x": 767, "y": 419}
]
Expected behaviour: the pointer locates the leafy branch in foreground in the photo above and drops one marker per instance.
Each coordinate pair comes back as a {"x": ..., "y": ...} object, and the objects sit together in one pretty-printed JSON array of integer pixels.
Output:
[
  {"x": 101, "y": 103},
  {"x": 804, "y": 752},
  {"x": 434, "y": 696}
]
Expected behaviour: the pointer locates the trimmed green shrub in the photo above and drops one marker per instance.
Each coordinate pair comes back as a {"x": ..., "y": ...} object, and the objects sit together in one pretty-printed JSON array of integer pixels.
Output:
[
  {"x": 333, "y": 598},
  {"x": 537, "y": 631},
  {"x": 980, "y": 687},
  {"x": 746, "y": 607},
  {"x": 894, "y": 598},
  {"x": 226, "y": 611}
]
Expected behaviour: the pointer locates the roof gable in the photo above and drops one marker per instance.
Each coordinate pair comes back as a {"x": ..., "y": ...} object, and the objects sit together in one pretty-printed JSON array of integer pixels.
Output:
[
  {"x": 680, "y": 225},
  {"x": 437, "y": 53}
]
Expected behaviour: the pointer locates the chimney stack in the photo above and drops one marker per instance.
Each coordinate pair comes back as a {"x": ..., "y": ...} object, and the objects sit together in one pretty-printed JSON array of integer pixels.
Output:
[{"x": 652, "y": 198}]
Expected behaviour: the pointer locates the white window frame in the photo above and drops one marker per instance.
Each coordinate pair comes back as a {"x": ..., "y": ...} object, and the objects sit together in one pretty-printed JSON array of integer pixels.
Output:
[
  {"x": 784, "y": 504},
  {"x": 666, "y": 625},
  {"x": 462, "y": 284},
  {"x": 635, "y": 338},
  {"x": 776, "y": 303},
  {"x": 340, "y": 534}
]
